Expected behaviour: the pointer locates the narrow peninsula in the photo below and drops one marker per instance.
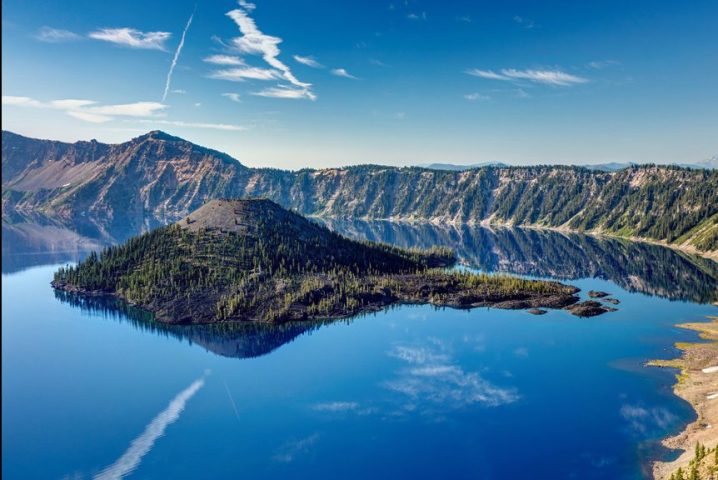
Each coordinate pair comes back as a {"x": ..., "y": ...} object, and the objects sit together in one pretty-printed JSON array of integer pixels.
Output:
[{"x": 253, "y": 261}]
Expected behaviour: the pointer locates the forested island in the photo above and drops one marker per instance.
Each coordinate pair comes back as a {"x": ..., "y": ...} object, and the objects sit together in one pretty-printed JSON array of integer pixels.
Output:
[{"x": 253, "y": 261}]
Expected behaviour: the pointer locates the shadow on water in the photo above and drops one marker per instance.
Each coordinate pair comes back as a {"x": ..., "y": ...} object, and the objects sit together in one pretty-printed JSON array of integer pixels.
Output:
[
  {"x": 634, "y": 266},
  {"x": 225, "y": 339}
]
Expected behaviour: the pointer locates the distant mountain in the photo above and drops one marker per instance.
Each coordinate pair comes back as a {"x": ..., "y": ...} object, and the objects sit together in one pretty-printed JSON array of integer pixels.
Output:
[
  {"x": 158, "y": 178},
  {"x": 710, "y": 163},
  {"x": 455, "y": 167},
  {"x": 610, "y": 167}
]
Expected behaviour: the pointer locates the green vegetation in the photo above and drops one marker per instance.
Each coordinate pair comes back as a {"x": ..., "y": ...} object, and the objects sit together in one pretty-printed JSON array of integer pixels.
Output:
[
  {"x": 253, "y": 260},
  {"x": 128, "y": 187},
  {"x": 703, "y": 465}
]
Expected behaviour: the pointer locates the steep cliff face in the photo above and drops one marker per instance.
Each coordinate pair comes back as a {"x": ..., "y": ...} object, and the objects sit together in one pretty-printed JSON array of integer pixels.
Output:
[
  {"x": 159, "y": 178},
  {"x": 152, "y": 176}
]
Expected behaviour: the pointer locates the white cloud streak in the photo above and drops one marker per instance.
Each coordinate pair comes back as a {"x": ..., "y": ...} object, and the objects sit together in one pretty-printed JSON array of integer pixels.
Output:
[
  {"x": 431, "y": 383},
  {"x": 89, "y": 110},
  {"x": 56, "y": 35},
  {"x": 225, "y": 60},
  {"x": 227, "y": 127},
  {"x": 284, "y": 91},
  {"x": 132, "y": 38},
  {"x": 308, "y": 61},
  {"x": 294, "y": 448},
  {"x": 176, "y": 57},
  {"x": 235, "y": 97},
  {"x": 340, "y": 72},
  {"x": 546, "y": 77},
  {"x": 242, "y": 73},
  {"x": 255, "y": 42},
  {"x": 141, "y": 445},
  {"x": 473, "y": 97}
]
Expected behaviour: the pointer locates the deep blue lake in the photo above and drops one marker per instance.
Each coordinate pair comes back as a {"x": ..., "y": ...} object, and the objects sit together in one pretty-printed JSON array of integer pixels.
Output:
[{"x": 92, "y": 391}]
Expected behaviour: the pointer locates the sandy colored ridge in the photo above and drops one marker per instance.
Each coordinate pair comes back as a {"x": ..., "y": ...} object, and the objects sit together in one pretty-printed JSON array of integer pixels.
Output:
[{"x": 697, "y": 384}]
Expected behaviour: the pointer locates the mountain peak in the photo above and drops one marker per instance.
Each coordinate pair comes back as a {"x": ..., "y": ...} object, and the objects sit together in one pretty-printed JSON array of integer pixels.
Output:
[
  {"x": 158, "y": 135},
  {"x": 232, "y": 215}
]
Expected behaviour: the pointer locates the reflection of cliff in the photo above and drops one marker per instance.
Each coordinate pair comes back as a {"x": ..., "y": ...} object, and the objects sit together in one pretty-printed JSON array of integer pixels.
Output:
[
  {"x": 227, "y": 340},
  {"x": 634, "y": 266},
  {"x": 39, "y": 240}
]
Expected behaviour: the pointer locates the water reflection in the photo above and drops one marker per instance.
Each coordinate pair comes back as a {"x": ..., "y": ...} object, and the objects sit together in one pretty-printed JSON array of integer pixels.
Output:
[
  {"x": 637, "y": 267},
  {"x": 39, "y": 240},
  {"x": 227, "y": 340}
]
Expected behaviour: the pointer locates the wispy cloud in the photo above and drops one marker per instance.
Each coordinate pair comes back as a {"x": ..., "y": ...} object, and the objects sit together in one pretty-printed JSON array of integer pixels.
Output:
[
  {"x": 284, "y": 91},
  {"x": 641, "y": 419},
  {"x": 176, "y": 57},
  {"x": 293, "y": 448},
  {"x": 431, "y": 382},
  {"x": 546, "y": 77},
  {"x": 255, "y": 42},
  {"x": 490, "y": 74},
  {"x": 212, "y": 126},
  {"x": 473, "y": 97},
  {"x": 56, "y": 35},
  {"x": 249, "y": 6},
  {"x": 343, "y": 408},
  {"x": 416, "y": 16},
  {"x": 89, "y": 110},
  {"x": 308, "y": 61},
  {"x": 21, "y": 101},
  {"x": 524, "y": 22},
  {"x": 225, "y": 60},
  {"x": 601, "y": 64},
  {"x": 133, "y": 38},
  {"x": 235, "y": 97},
  {"x": 137, "y": 109},
  {"x": 243, "y": 73},
  {"x": 141, "y": 445},
  {"x": 340, "y": 72},
  {"x": 179, "y": 91},
  {"x": 335, "y": 406},
  {"x": 464, "y": 19}
]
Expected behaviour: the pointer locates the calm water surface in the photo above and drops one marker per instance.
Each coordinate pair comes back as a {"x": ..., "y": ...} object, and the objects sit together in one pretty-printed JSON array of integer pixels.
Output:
[{"x": 90, "y": 391}]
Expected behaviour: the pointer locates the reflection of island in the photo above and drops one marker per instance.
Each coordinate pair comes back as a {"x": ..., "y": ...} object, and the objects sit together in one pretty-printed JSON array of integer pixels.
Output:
[
  {"x": 635, "y": 266},
  {"x": 640, "y": 267},
  {"x": 227, "y": 340}
]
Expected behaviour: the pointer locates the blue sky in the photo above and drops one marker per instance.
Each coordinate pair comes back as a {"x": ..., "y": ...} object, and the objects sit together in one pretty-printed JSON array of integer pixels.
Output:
[{"x": 325, "y": 83}]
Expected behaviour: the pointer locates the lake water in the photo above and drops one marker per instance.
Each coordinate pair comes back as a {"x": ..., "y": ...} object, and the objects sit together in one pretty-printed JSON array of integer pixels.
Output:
[{"x": 92, "y": 390}]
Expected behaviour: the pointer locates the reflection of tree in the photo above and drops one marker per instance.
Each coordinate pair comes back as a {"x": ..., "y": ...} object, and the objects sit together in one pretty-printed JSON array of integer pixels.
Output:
[
  {"x": 635, "y": 266},
  {"x": 226, "y": 339}
]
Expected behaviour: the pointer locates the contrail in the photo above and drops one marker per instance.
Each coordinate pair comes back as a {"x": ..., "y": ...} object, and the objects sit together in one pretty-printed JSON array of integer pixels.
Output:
[
  {"x": 176, "y": 57},
  {"x": 231, "y": 400},
  {"x": 139, "y": 447}
]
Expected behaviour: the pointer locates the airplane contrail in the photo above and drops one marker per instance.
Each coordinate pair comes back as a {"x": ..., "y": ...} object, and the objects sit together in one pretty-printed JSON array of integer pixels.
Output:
[
  {"x": 231, "y": 400},
  {"x": 141, "y": 445},
  {"x": 176, "y": 57}
]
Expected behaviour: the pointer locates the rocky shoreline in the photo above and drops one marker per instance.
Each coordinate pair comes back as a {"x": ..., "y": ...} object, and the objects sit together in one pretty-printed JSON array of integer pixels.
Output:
[
  {"x": 439, "y": 289},
  {"x": 697, "y": 383}
]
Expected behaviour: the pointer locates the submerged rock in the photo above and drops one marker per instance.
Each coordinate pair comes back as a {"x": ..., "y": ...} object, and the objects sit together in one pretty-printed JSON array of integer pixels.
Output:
[
  {"x": 536, "y": 311},
  {"x": 613, "y": 301},
  {"x": 597, "y": 294}
]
